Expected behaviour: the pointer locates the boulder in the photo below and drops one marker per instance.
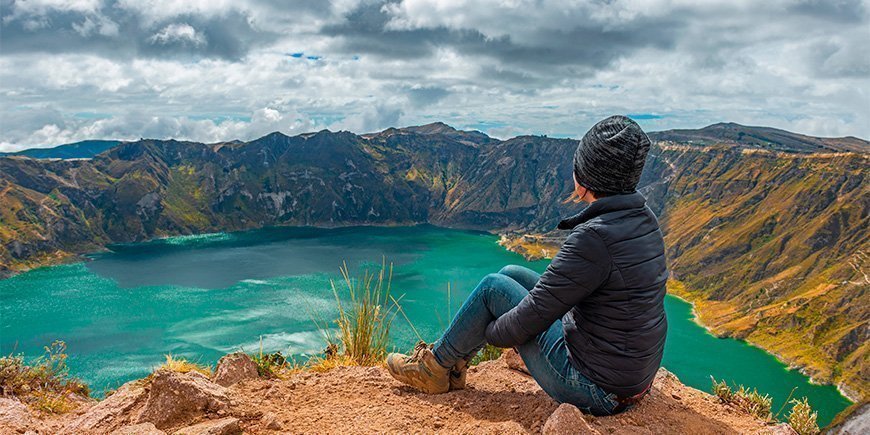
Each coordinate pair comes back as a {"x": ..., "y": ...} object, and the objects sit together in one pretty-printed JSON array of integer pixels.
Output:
[
  {"x": 233, "y": 368},
  {"x": 14, "y": 416},
  {"x": 112, "y": 412},
  {"x": 223, "y": 426},
  {"x": 177, "y": 398},
  {"x": 139, "y": 429},
  {"x": 515, "y": 361},
  {"x": 853, "y": 421},
  {"x": 567, "y": 420}
]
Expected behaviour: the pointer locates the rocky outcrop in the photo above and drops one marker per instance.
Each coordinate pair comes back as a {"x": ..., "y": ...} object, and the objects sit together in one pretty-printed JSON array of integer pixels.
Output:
[
  {"x": 234, "y": 368},
  {"x": 176, "y": 398},
  {"x": 14, "y": 416},
  {"x": 568, "y": 420},
  {"x": 117, "y": 410},
  {"x": 164, "y": 400},
  {"x": 854, "y": 421}
]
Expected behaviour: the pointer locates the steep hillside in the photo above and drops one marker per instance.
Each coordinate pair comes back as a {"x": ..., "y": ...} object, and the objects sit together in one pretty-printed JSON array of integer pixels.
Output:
[{"x": 774, "y": 248}]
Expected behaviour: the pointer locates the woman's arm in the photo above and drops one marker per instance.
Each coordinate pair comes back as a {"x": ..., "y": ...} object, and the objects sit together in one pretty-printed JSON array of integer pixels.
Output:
[{"x": 580, "y": 267}]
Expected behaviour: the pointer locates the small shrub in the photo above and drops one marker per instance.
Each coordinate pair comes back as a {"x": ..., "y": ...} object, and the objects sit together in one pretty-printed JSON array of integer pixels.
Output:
[
  {"x": 488, "y": 353},
  {"x": 182, "y": 365},
  {"x": 750, "y": 401},
  {"x": 55, "y": 403},
  {"x": 44, "y": 383},
  {"x": 273, "y": 365},
  {"x": 802, "y": 417}
]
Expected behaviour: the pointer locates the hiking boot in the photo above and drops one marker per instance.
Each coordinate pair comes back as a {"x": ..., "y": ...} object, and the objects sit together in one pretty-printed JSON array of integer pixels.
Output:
[
  {"x": 457, "y": 375},
  {"x": 420, "y": 370}
]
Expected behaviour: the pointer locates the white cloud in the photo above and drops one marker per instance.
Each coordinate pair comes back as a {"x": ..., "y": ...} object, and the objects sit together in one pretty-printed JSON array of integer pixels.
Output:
[
  {"x": 504, "y": 66},
  {"x": 178, "y": 32}
]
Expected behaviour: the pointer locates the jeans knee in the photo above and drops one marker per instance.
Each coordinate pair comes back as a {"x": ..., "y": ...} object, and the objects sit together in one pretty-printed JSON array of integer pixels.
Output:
[
  {"x": 511, "y": 269},
  {"x": 495, "y": 283},
  {"x": 492, "y": 280}
]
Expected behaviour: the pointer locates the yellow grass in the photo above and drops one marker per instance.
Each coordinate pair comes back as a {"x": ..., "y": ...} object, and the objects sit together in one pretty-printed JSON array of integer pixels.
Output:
[{"x": 182, "y": 365}]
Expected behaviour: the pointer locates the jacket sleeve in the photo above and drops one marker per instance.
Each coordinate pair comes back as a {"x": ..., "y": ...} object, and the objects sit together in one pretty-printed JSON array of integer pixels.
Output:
[{"x": 580, "y": 267}]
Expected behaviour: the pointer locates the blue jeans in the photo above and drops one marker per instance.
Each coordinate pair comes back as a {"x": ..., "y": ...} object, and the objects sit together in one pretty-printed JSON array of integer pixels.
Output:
[{"x": 546, "y": 356}]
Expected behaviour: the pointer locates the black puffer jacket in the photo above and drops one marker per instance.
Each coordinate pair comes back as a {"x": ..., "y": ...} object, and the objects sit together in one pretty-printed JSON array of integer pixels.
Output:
[{"x": 607, "y": 284}]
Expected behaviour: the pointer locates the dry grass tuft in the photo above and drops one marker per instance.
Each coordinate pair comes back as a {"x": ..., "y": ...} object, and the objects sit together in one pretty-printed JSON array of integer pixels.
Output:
[
  {"x": 363, "y": 323},
  {"x": 182, "y": 365},
  {"x": 44, "y": 383}
]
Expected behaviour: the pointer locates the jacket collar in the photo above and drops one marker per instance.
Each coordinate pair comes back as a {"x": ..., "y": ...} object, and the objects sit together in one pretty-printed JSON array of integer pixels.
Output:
[{"x": 604, "y": 205}]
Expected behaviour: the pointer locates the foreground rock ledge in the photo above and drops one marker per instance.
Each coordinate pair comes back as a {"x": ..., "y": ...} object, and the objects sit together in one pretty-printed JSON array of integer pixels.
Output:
[{"x": 349, "y": 400}]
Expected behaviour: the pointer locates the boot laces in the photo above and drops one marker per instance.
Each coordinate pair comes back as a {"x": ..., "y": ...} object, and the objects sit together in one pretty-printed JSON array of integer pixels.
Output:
[{"x": 419, "y": 350}]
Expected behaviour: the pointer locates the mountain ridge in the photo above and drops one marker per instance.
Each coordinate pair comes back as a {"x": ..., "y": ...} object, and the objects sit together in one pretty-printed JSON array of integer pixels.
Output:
[{"x": 711, "y": 134}]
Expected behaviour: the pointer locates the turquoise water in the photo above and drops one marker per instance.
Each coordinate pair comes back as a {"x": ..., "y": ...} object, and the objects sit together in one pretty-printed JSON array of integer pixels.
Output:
[{"x": 204, "y": 296}]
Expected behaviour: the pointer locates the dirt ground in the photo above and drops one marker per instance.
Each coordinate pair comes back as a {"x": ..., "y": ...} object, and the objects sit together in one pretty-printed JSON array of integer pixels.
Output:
[
  {"x": 366, "y": 400},
  {"x": 498, "y": 400}
]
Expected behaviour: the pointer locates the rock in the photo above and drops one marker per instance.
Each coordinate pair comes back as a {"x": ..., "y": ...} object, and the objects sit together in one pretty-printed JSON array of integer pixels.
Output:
[
  {"x": 139, "y": 429},
  {"x": 224, "y": 426},
  {"x": 177, "y": 398},
  {"x": 112, "y": 412},
  {"x": 515, "y": 361},
  {"x": 854, "y": 420},
  {"x": 233, "y": 368},
  {"x": 270, "y": 421},
  {"x": 567, "y": 420},
  {"x": 782, "y": 429},
  {"x": 14, "y": 416}
]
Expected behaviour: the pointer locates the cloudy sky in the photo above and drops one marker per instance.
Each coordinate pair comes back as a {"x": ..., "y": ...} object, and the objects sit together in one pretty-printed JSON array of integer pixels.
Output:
[{"x": 212, "y": 70}]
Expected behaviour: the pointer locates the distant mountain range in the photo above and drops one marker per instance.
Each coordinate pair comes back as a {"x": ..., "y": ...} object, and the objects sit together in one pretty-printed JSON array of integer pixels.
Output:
[
  {"x": 762, "y": 138},
  {"x": 79, "y": 150},
  {"x": 721, "y": 133},
  {"x": 767, "y": 231}
]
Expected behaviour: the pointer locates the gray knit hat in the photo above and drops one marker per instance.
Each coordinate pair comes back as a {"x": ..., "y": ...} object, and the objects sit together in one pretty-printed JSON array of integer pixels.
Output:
[{"x": 611, "y": 156}]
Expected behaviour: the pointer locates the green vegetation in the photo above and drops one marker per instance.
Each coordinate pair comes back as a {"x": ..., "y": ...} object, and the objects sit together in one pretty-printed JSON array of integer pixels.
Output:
[
  {"x": 44, "y": 383},
  {"x": 750, "y": 401},
  {"x": 273, "y": 365},
  {"x": 488, "y": 353}
]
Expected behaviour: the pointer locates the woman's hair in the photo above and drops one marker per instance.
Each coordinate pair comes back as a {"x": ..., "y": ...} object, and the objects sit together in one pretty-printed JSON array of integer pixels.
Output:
[{"x": 575, "y": 198}]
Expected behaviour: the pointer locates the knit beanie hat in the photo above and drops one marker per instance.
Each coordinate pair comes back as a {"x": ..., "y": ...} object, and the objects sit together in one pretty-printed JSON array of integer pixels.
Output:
[{"x": 610, "y": 157}]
